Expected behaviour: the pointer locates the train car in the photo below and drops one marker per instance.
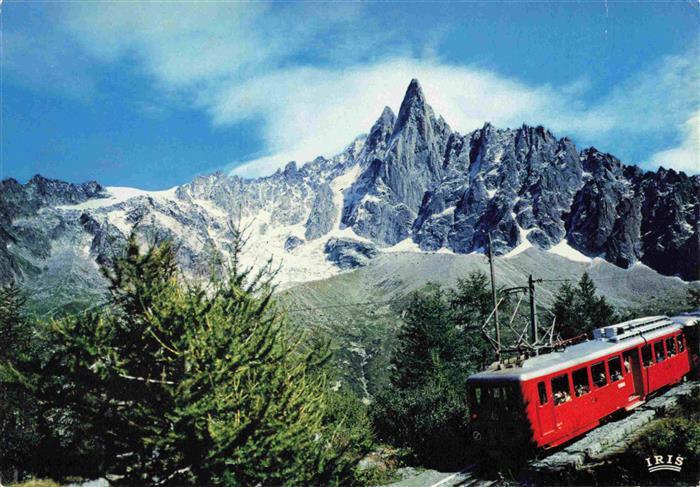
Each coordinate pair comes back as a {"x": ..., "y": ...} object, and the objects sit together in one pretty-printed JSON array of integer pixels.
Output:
[{"x": 553, "y": 398}]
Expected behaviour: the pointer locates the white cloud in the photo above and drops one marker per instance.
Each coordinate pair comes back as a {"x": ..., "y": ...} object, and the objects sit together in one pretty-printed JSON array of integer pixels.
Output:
[
  {"x": 685, "y": 157},
  {"x": 660, "y": 96},
  {"x": 313, "y": 79},
  {"x": 178, "y": 44}
]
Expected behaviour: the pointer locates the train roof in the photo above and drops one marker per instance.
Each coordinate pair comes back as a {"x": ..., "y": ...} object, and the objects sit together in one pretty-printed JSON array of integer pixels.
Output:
[
  {"x": 689, "y": 318},
  {"x": 607, "y": 340}
]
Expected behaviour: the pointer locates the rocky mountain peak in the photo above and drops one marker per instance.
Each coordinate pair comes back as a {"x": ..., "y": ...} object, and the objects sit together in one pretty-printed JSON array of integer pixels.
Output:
[
  {"x": 488, "y": 128},
  {"x": 387, "y": 116},
  {"x": 381, "y": 131},
  {"x": 414, "y": 108},
  {"x": 387, "y": 196},
  {"x": 596, "y": 162},
  {"x": 290, "y": 170},
  {"x": 414, "y": 92},
  {"x": 45, "y": 191}
]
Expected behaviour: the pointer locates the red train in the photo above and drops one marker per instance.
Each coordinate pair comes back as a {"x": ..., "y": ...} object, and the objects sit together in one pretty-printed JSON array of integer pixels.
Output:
[{"x": 555, "y": 397}]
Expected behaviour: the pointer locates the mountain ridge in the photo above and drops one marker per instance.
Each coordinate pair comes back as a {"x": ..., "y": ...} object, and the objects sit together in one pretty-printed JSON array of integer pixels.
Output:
[{"x": 410, "y": 182}]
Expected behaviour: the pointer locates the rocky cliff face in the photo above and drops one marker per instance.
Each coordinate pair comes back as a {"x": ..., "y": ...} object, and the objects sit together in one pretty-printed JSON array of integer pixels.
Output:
[
  {"x": 23, "y": 228},
  {"x": 627, "y": 215},
  {"x": 515, "y": 184},
  {"x": 411, "y": 181}
]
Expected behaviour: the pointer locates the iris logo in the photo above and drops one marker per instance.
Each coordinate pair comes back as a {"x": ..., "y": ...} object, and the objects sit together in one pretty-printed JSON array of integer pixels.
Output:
[{"x": 673, "y": 463}]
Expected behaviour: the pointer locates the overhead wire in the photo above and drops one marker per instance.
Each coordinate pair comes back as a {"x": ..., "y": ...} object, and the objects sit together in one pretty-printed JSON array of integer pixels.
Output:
[
  {"x": 346, "y": 305},
  {"x": 592, "y": 279}
]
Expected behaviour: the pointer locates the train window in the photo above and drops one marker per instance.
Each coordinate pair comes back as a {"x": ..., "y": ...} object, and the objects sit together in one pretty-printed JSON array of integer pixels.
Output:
[
  {"x": 542, "y": 391},
  {"x": 561, "y": 389},
  {"x": 681, "y": 346},
  {"x": 659, "y": 351},
  {"x": 581, "y": 384},
  {"x": 615, "y": 368},
  {"x": 647, "y": 359},
  {"x": 477, "y": 396},
  {"x": 508, "y": 395},
  {"x": 598, "y": 373},
  {"x": 671, "y": 346}
]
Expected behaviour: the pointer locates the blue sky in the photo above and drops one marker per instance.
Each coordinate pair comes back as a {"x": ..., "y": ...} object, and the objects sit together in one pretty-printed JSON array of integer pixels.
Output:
[{"x": 150, "y": 95}]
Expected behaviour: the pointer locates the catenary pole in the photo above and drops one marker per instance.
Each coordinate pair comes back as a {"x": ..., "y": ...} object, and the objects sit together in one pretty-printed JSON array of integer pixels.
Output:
[
  {"x": 533, "y": 314},
  {"x": 495, "y": 301}
]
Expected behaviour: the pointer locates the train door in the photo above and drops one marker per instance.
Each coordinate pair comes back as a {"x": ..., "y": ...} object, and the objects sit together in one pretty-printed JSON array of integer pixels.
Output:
[
  {"x": 545, "y": 411},
  {"x": 620, "y": 389},
  {"x": 600, "y": 389},
  {"x": 586, "y": 406},
  {"x": 564, "y": 407},
  {"x": 633, "y": 367}
]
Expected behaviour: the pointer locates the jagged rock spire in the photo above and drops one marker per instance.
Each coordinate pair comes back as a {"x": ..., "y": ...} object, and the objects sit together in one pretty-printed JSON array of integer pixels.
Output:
[
  {"x": 381, "y": 131},
  {"x": 387, "y": 115},
  {"x": 413, "y": 107}
]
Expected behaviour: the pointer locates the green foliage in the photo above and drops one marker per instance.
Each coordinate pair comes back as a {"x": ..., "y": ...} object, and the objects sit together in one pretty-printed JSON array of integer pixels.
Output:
[
  {"x": 429, "y": 339},
  {"x": 578, "y": 310},
  {"x": 348, "y": 417},
  {"x": 181, "y": 384},
  {"x": 17, "y": 409},
  {"x": 381, "y": 466},
  {"x": 424, "y": 408},
  {"x": 377, "y": 475},
  {"x": 471, "y": 304},
  {"x": 15, "y": 333}
]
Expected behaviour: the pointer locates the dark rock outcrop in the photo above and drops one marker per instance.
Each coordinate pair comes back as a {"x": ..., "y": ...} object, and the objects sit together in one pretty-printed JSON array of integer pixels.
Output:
[
  {"x": 323, "y": 213},
  {"x": 349, "y": 253},
  {"x": 292, "y": 243}
]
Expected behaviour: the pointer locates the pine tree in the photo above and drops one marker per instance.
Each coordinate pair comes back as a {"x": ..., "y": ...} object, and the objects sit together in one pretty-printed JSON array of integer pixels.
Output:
[
  {"x": 428, "y": 339},
  {"x": 565, "y": 311},
  {"x": 14, "y": 327},
  {"x": 17, "y": 410},
  {"x": 187, "y": 384},
  {"x": 471, "y": 303},
  {"x": 578, "y": 310}
]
